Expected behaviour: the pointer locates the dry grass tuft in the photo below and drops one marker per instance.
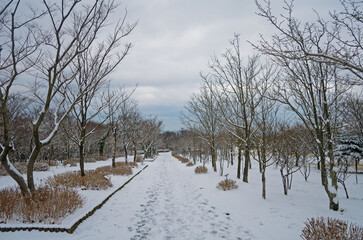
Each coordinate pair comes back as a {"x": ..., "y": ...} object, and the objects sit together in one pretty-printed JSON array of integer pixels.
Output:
[
  {"x": 129, "y": 164},
  {"x": 41, "y": 167},
  {"x": 200, "y": 170},
  {"x": 180, "y": 158},
  {"x": 94, "y": 180},
  {"x": 90, "y": 160},
  {"x": 72, "y": 162},
  {"x": 190, "y": 164},
  {"x": 52, "y": 163},
  {"x": 47, "y": 205},
  {"x": 118, "y": 170},
  {"x": 227, "y": 184},
  {"x": 138, "y": 158},
  {"x": 331, "y": 228}
]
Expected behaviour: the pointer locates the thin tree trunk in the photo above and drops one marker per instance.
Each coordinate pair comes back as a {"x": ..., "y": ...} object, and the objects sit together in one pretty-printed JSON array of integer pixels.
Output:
[
  {"x": 239, "y": 163},
  {"x": 263, "y": 181},
  {"x": 125, "y": 148},
  {"x": 81, "y": 159},
  {"x": 114, "y": 148},
  {"x": 247, "y": 163}
]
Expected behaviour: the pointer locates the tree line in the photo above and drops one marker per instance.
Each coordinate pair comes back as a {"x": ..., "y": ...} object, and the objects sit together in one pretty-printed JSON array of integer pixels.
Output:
[
  {"x": 296, "y": 101},
  {"x": 56, "y": 98}
]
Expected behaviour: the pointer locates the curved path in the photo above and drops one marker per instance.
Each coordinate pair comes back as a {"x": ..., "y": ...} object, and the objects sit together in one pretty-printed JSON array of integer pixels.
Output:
[{"x": 161, "y": 203}]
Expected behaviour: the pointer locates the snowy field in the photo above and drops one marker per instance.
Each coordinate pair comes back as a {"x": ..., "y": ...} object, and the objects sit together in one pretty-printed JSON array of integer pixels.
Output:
[{"x": 169, "y": 201}]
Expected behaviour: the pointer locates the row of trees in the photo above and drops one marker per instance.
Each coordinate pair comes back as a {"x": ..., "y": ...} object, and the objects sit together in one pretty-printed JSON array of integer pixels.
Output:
[
  {"x": 310, "y": 76},
  {"x": 55, "y": 95}
]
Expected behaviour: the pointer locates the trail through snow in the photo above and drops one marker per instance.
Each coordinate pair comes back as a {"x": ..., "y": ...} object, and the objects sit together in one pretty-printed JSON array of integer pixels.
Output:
[{"x": 161, "y": 203}]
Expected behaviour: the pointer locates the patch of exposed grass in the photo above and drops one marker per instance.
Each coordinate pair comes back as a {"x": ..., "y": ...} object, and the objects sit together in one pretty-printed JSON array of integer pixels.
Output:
[
  {"x": 227, "y": 184},
  {"x": 331, "y": 228},
  {"x": 47, "y": 205},
  {"x": 120, "y": 169},
  {"x": 201, "y": 170},
  {"x": 180, "y": 158},
  {"x": 94, "y": 180},
  {"x": 190, "y": 164}
]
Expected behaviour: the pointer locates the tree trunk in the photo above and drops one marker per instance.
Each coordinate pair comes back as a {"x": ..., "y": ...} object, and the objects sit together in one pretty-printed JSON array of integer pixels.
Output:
[
  {"x": 125, "y": 148},
  {"x": 284, "y": 181},
  {"x": 12, "y": 171},
  {"x": 81, "y": 158},
  {"x": 135, "y": 152},
  {"x": 214, "y": 160},
  {"x": 356, "y": 170},
  {"x": 232, "y": 156},
  {"x": 239, "y": 163},
  {"x": 30, "y": 167},
  {"x": 114, "y": 148},
  {"x": 247, "y": 163},
  {"x": 263, "y": 182}
]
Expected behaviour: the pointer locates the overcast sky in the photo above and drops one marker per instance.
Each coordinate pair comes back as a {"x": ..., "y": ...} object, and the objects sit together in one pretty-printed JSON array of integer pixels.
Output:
[{"x": 174, "y": 40}]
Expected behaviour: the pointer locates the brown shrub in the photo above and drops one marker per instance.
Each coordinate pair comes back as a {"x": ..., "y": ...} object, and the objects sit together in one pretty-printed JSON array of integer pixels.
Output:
[
  {"x": 93, "y": 180},
  {"x": 47, "y": 205},
  {"x": 227, "y": 184},
  {"x": 331, "y": 228},
  {"x": 180, "y": 158},
  {"x": 72, "y": 162},
  {"x": 138, "y": 158},
  {"x": 129, "y": 164},
  {"x": 41, "y": 167},
  {"x": 200, "y": 169},
  {"x": 190, "y": 164},
  {"x": 120, "y": 169},
  {"x": 101, "y": 158},
  {"x": 90, "y": 160},
  {"x": 52, "y": 163}
]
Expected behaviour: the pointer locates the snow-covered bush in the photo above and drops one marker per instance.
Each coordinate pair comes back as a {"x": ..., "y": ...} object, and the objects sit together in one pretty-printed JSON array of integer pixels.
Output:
[
  {"x": 227, "y": 184},
  {"x": 201, "y": 169},
  {"x": 331, "y": 228},
  {"x": 47, "y": 205}
]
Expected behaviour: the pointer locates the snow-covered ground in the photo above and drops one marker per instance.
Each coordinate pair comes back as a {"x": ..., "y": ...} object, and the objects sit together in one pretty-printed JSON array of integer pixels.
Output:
[{"x": 169, "y": 201}]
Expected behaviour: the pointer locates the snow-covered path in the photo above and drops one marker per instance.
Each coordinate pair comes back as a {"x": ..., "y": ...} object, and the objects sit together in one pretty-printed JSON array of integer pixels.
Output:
[{"x": 161, "y": 203}]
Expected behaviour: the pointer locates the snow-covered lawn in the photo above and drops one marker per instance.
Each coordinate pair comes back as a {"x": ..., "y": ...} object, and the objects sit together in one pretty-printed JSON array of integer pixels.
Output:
[{"x": 169, "y": 201}]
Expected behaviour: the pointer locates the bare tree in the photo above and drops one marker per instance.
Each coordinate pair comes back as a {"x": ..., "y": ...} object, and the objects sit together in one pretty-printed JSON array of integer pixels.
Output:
[
  {"x": 150, "y": 130},
  {"x": 67, "y": 30},
  {"x": 114, "y": 101},
  {"x": 201, "y": 115},
  {"x": 311, "y": 88},
  {"x": 235, "y": 86},
  {"x": 343, "y": 32},
  {"x": 18, "y": 52}
]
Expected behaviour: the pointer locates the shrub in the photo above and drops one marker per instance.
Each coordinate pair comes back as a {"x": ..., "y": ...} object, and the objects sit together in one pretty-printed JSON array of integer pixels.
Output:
[
  {"x": 180, "y": 158},
  {"x": 47, "y": 205},
  {"x": 138, "y": 158},
  {"x": 227, "y": 184},
  {"x": 72, "y": 162},
  {"x": 93, "y": 180},
  {"x": 41, "y": 167},
  {"x": 52, "y": 163},
  {"x": 331, "y": 228},
  {"x": 201, "y": 169},
  {"x": 190, "y": 164},
  {"x": 120, "y": 169},
  {"x": 90, "y": 160},
  {"x": 129, "y": 164}
]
